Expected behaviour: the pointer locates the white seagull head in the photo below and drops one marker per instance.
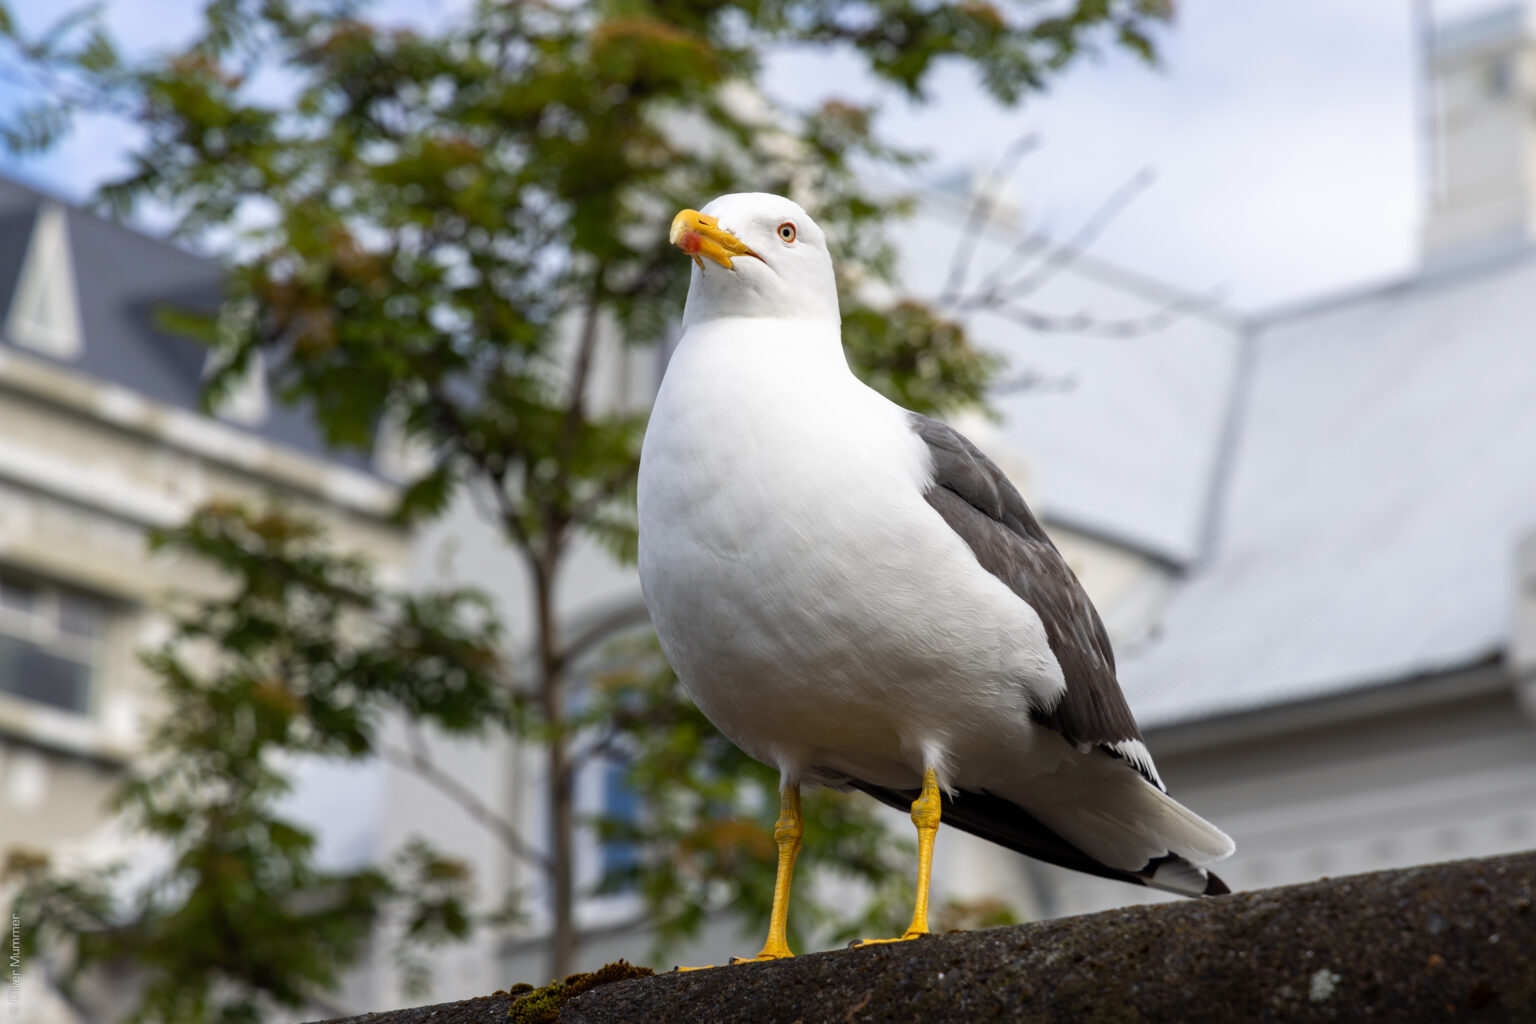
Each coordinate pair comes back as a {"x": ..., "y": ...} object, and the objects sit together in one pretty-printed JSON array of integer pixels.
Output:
[{"x": 755, "y": 255}]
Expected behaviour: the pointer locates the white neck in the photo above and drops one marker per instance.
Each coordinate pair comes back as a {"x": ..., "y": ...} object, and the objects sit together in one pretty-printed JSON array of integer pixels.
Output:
[
  {"x": 715, "y": 293},
  {"x": 791, "y": 349}
]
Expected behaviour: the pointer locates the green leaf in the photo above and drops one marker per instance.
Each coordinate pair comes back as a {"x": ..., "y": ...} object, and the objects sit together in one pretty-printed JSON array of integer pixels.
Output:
[
  {"x": 98, "y": 55},
  {"x": 427, "y": 496},
  {"x": 35, "y": 128}
]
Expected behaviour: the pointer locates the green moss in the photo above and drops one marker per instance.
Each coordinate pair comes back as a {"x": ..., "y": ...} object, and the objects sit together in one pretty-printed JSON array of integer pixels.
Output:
[{"x": 542, "y": 1005}]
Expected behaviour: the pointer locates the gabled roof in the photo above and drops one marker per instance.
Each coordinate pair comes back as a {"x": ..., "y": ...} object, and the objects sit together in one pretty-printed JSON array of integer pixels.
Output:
[
  {"x": 1383, "y": 470},
  {"x": 121, "y": 279}
]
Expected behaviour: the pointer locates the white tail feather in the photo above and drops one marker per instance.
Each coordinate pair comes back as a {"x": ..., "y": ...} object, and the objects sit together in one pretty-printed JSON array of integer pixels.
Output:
[{"x": 1121, "y": 820}]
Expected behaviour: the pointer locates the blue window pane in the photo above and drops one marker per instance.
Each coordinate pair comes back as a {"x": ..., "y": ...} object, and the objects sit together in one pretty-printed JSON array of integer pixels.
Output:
[
  {"x": 32, "y": 673},
  {"x": 621, "y": 804}
]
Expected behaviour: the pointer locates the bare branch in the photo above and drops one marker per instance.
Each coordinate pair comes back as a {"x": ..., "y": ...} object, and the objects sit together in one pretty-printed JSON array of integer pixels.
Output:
[
  {"x": 1007, "y": 282},
  {"x": 981, "y": 211},
  {"x": 604, "y": 747},
  {"x": 603, "y": 626},
  {"x": 999, "y": 292},
  {"x": 586, "y": 347},
  {"x": 1084, "y": 322},
  {"x": 1022, "y": 250},
  {"x": 605, "y": 490},
  {"x": 33, "y": 73},
  {"x": 1064, "y": 255},
  {"x": 1034, "y": 380},
  {"x": 418, "y": 761}
]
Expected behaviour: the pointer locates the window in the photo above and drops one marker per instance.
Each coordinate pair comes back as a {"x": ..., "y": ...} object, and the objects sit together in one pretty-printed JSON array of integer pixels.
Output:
[
  {"x": 49, "y": 639},
  {"x": 1499, "y": 80},
  {"x": 601, "y": 792},
  {"x": 620, "y": 805}
]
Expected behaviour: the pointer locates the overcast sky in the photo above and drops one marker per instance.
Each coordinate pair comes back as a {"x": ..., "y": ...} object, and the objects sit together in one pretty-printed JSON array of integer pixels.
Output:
[{"x": 1283, "y": 137}]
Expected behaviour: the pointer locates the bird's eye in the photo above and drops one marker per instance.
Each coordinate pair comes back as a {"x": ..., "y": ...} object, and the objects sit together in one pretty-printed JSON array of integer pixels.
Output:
[{"x": 787, "y": 232}]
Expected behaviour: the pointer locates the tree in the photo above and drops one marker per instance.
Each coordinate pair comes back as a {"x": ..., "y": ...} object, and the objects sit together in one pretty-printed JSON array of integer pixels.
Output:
[
  {"x": 238, "y": 915},
  {"x": 441, "y": 229}
]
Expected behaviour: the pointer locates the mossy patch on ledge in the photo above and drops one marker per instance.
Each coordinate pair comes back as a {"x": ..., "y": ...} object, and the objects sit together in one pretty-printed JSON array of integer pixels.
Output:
[{"x": 542, "y": 1005}]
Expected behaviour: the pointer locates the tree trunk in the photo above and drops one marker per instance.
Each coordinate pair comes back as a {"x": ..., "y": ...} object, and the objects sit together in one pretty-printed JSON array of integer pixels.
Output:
[
  {"x": 562, "y": 815},
  {"x": 562, "y": 938},
  {"x": 558, "y": 789}
]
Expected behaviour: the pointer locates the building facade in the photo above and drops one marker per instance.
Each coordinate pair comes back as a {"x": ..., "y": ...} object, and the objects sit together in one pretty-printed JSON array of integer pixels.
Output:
[{"x": 102, "y": 437}]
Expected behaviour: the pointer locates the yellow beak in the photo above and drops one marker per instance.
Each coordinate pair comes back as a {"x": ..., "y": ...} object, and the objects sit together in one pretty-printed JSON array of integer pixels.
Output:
[{"x": 699, "y": 235}]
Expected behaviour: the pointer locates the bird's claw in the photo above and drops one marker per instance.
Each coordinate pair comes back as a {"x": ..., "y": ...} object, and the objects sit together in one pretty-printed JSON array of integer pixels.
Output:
[
  {"x": 733, "y": 961},
  {"x": 904, "y": 937}
]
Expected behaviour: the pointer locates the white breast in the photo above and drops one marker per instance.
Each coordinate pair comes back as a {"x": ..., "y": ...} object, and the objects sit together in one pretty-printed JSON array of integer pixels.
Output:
[{"x": 816, "y": 608}]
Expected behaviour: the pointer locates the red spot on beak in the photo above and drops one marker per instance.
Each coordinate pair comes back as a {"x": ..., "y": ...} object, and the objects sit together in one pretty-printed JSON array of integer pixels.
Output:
[{"x": 690, "y": 242}]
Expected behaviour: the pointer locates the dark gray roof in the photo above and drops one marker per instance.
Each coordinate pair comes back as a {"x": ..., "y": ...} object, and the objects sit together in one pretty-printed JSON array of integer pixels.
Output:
[
  {"x": 16, "y": 222},
  {"x": 122, "y": 277}
]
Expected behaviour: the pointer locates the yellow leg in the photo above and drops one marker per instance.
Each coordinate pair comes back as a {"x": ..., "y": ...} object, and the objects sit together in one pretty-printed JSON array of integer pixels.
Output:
[
  {"x": 786, "y": 835},
  {"x": 925, "y": 815}
]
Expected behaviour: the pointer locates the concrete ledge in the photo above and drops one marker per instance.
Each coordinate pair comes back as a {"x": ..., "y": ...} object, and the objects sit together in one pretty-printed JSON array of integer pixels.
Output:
[{"x": 1455, "y": 939}]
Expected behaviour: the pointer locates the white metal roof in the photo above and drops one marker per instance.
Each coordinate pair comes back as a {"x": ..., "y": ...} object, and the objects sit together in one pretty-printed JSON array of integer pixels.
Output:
[{"x": 1383, "y": 470}]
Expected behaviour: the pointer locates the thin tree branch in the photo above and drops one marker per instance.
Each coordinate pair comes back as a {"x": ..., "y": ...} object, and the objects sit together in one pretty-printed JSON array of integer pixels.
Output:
[
  {"x": 585, "y": 349},
  {"x": 999, "y": 293},
  {"x": 492, "y": 464},
  {"x": 603, "y": 626},
  {"x": 603, "y": 747},
  {"x": 606, "y": 489},
  {"x": 1063, "y": 256},
  {"x": 1022, "y": 250},
  {"x": 1085, "y": 323},
  {"x": 33, "y": 72},
  {"x": 418, "y": 761},
  {"x": 981, "y": 210},
  {"x": 1034, "y": 380}
]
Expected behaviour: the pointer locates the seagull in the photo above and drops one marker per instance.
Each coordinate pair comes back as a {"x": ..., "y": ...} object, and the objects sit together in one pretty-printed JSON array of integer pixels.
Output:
[{"x": 855, "y": 595}]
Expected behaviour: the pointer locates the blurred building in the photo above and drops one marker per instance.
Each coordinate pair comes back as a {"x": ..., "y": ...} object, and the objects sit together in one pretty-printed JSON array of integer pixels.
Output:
[
  {"x": 1345, "y": 676},
  {"x": 102, "y": 437}
]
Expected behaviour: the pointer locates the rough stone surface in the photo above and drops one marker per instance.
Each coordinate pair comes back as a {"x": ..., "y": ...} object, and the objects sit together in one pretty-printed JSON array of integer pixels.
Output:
[
  {"x": 479, "y": 1010},
  {"x": 1445, "y": 940}
]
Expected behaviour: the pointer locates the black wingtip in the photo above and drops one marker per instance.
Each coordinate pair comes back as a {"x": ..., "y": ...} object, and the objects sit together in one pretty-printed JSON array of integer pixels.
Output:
[
  {"x": 1007, "y": 824},
  {"x": 1003, "y": 822}
]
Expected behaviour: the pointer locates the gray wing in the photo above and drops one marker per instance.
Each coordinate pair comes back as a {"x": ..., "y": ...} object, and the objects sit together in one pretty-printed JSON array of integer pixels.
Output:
[{"x": 980, "y": 504}]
